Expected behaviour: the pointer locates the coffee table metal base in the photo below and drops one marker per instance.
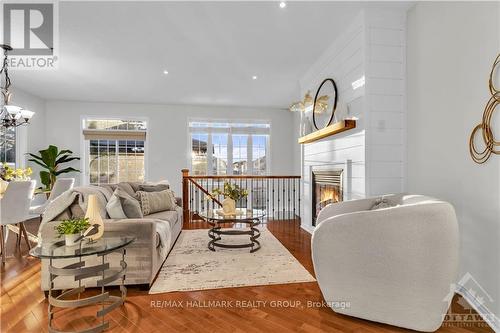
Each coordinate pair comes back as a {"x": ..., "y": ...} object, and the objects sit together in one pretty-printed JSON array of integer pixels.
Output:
[{"x": 216, "y": 231}]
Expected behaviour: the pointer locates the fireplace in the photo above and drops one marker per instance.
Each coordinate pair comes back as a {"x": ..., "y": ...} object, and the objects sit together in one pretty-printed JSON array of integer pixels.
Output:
[{"x": 326, "y": 189}]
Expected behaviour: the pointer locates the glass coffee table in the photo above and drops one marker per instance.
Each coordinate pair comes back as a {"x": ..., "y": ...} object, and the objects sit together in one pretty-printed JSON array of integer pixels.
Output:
[
  {"x": 79, "y": 271},
  {"x": 250, "y": 217}
]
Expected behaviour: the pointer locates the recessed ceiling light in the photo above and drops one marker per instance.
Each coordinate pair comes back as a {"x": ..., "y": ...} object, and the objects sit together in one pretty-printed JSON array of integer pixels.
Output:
[
  {"x": 165, "y": 72},
  {"x": 254, "y": 77},
  {"x": 282, "y": 4}
]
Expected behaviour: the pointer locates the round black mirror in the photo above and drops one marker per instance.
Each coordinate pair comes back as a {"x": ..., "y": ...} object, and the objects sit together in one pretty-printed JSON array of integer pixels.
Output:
[{"x": 325, "y": 103}]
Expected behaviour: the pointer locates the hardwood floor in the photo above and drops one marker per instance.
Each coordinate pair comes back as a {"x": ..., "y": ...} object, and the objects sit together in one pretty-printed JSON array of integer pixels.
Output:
[{"x": 24, "y": 308}]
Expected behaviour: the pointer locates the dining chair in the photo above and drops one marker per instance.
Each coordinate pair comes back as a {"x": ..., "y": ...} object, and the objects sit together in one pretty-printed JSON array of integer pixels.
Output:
[
  {"x": 61, "y": 185},
  {"x": 14, "y": 209}
]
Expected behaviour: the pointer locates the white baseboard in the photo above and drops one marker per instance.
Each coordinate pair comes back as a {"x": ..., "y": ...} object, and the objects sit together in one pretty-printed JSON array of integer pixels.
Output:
[
  {"x": 487, "y": 316},
  {"x": 308, "y": 228}
]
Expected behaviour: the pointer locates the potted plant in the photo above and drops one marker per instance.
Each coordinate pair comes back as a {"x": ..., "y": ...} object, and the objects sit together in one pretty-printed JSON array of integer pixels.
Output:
[
  {"x": 72, "y": 229},
  {"x": 51, "y": 160},
  {"x": 231, "y": 193},
  {"x": 8, "y": 174}
]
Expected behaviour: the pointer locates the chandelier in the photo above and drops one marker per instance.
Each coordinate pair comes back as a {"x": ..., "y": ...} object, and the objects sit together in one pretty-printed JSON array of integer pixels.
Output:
[{"x": 10, "y": 115}]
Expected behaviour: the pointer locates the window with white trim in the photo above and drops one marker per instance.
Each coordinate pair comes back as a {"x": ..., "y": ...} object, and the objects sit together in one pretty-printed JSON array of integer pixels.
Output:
[
  {"x": 223, "y": 148},
  {"x": 115, "y": 150},
  {"x": 8, "y": 146}
]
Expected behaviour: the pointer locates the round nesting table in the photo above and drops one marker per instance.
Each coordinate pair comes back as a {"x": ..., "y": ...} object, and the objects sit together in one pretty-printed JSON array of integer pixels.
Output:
[
  {"x": 250, "y": 217},
  {"x": 79, "y": 271}
]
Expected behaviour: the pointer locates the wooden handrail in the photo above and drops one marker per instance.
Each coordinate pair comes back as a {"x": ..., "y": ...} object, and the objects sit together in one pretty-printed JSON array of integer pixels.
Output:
[{"x": 205, "y": 191}]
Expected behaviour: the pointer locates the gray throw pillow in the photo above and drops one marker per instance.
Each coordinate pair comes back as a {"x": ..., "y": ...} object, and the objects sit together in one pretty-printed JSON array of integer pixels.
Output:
[
  {"x": 114, "y": 208},
  {"x": 127, "y": 188},
  {"x": 110, "y": 187},
  {"x": 131, "y": 207},
  {"x": 135, "y": 185},
  {"x": 152, "y": 202},
  {"x": 153, "y": 188}
]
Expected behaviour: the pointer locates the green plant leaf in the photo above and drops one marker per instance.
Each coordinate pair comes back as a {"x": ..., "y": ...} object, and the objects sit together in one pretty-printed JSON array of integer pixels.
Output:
[
  {"x": 72, "y": 226},
  {"x": 49, "y": 156},
  {"x": 45, "y": 178},
  {"x": 35, "y": 157},
  {"x": 39, "y": 163},
  {"x": 66, "y": 158},
  {"x": 65, "y": 151},
  {"x": 66, "y": 170}
]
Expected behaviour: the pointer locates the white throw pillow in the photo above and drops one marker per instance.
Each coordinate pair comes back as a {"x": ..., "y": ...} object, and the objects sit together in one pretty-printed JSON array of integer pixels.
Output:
[{"x": 114, "y": 208}]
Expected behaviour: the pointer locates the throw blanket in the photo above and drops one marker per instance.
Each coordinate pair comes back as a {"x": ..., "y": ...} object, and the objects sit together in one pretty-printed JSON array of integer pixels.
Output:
[{"x": 62, "y": 202}]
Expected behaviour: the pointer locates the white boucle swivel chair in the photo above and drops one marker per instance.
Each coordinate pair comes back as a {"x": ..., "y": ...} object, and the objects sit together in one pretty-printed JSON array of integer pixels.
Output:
[{"x": 392, "y": 265}]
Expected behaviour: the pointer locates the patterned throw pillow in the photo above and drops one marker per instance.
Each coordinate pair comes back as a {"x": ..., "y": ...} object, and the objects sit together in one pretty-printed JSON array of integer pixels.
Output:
[{"x": 152, "y": 202}]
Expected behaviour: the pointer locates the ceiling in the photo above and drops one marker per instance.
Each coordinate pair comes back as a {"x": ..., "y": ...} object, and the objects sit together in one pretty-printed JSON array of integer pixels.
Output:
[{"x": 117, "y": 51}]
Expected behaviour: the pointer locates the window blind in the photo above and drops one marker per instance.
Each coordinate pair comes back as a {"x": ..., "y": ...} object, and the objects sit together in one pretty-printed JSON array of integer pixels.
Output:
[{"x": 114, "y": 135}]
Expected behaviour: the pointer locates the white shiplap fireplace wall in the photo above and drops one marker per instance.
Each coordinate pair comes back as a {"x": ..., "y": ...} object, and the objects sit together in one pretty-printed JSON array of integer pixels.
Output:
[{"x": 372, "y": 155}]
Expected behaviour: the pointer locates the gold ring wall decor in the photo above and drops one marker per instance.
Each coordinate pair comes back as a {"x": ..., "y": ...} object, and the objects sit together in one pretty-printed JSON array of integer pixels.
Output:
[{"x": 491, "y": 146}]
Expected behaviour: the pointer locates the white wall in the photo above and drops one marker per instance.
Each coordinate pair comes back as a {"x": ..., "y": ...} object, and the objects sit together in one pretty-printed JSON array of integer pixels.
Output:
[
  {"x": 451, "y": 47},
  {"x": 385, "y": 101},
  {"x": 168, "y": 131}
]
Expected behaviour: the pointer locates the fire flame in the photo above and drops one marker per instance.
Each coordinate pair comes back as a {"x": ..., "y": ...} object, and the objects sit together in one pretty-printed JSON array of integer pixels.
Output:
[{"x": 328, "y": 195}]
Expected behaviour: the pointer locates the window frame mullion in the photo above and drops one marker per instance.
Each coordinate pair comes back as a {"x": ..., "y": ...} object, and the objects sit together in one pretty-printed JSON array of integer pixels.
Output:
[
  {"x": 229, "y": 170},
  {"x": 117, "y": 161},
  {"x": 250, "y": 154},
  {"x": 209, "y": 154}
]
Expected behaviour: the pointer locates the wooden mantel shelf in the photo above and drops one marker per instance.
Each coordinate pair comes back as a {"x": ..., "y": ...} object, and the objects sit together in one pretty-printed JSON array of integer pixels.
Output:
[{"x": 333, "y": 129}]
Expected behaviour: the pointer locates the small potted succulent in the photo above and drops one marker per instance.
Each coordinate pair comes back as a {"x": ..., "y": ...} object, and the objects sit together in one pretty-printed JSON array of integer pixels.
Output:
[
  {"x": 72, "y": 229},
  {"x": 231, "y": 193}
]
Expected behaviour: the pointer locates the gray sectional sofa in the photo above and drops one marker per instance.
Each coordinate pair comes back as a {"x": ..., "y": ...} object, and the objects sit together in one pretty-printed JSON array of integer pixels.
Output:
[{"x": 155, "y": 236}]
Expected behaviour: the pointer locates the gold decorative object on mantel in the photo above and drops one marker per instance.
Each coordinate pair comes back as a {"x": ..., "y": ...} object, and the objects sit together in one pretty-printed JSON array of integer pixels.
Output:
[
  {"x": 491, "y": 145},
  {"x": 302, "y": 106},
  {"x": 307, "y": 104},
  {"x": 332, "y": 129}
]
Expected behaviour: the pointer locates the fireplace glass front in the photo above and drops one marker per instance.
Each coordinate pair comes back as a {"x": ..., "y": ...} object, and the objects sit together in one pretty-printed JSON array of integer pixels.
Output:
[{"x": 327, "y": 189}]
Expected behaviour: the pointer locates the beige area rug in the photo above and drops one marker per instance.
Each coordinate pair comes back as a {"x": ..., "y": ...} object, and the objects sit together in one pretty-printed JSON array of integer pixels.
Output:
[{"x": 192, "y": 266}]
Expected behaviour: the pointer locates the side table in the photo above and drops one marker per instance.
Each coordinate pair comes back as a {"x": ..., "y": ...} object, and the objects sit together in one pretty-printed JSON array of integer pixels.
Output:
[{"x": 79, "y": 271}]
